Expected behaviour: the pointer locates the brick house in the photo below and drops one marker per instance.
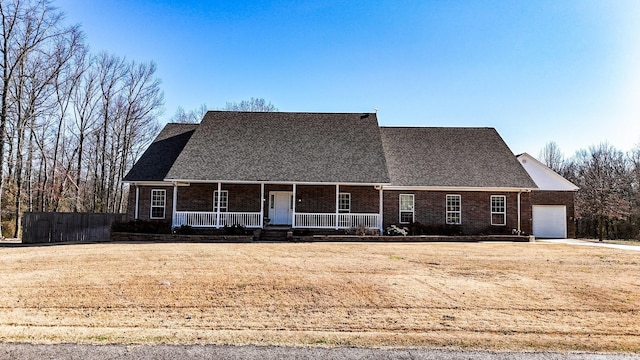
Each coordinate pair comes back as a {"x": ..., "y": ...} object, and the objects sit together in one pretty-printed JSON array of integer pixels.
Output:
[{"x": 329, "y": 171}]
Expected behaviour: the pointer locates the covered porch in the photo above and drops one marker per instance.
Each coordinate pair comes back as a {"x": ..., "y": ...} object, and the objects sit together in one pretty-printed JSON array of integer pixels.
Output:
[{"x": 256, "y": 205}]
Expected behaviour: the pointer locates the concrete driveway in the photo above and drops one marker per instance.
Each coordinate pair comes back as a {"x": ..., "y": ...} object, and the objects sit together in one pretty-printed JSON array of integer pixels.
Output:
[{"x": 589, "y": 243}]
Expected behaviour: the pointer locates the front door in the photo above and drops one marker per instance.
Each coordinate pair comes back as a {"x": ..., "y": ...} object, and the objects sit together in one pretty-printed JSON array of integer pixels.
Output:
[{"x": 280, "y": 207}]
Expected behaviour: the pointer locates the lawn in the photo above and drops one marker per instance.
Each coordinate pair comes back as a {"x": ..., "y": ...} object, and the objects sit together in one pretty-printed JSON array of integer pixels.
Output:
[{"x": 499, "y": 296}]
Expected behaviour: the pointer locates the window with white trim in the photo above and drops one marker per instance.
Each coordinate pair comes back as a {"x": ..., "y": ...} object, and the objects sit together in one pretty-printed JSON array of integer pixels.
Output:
[
  {"x": 407, "y": 208},
  {"x": 224, "y": 201},
  {"x": 498, "y": 210},
  {"x": 344, "y": 202},
  {"x": 158, "y": 202},
  {"x": 454, "y": 210}
]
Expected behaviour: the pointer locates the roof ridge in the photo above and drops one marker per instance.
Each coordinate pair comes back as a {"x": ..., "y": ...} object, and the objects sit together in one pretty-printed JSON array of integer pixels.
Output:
[{"x": 292, "y": 112}]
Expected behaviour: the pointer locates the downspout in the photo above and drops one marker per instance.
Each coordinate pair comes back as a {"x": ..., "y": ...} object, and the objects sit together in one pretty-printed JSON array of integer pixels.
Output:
[{"x": 519, "y": 229}]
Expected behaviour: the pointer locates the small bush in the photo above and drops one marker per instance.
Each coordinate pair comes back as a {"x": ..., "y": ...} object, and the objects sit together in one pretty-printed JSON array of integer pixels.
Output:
[
  {"x": 496, "y": 230},
  {"x": 236, "y": 229},
  {"x": 361, "y": 231},
  {"x": 301, "y": 232},
  {"x": 142, "y": 227},
  {"x": 394, "y": 230},
  {"x": 184, "y": 230}
]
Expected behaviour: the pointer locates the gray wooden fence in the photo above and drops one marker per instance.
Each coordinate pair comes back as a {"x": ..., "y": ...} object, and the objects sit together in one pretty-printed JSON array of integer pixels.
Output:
[{"x": 49, "y": 227}]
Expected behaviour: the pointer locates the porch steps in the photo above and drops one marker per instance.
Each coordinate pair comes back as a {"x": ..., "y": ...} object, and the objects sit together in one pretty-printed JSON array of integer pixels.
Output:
[{"x": 273, "y": 234}]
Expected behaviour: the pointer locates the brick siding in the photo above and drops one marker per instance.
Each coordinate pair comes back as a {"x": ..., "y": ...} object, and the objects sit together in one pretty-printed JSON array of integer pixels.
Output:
[
  {"x": 430, "y": 206},
  {"x": 430, "y": 209}
]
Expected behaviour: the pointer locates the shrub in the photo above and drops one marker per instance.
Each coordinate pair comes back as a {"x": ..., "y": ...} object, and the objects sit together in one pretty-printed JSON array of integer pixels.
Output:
[
  {"x": 236, "y": 229},
  {"x": 301, "y": 232},
  {"x": 496, "y": 230},
  {"x": 393, "y": 230},
  {"x": 184, "y": 230},
  {"x": 142, "y": 227},
  {"x": 361, "y": 231}
]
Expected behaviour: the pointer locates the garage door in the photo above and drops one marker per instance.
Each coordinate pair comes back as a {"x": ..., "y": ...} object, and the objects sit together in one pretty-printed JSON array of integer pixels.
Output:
[{"x": 550, "y": 221}]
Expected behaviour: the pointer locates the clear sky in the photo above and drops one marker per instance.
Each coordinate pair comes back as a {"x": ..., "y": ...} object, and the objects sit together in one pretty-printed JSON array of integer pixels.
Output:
[{"x": 560, "y": 70}]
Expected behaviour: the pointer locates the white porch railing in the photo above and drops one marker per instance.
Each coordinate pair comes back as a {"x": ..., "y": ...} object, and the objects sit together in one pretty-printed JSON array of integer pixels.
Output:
[
  {"x": 208, "y": 219},
  {"x": 253, "y": 219},
  {"x": 331, "y": 221}
]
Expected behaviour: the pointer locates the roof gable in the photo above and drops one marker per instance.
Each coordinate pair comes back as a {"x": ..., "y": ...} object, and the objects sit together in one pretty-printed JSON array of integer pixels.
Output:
[
  {"x": 155, "y": 162},
  {"x": 543, "y": 176},
  {"x": 451, "y": 157},
  {"x": 283, "y": 147}
]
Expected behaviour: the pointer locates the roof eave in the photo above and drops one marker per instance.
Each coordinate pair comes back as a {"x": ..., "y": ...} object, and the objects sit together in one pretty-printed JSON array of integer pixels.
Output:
[{"x": 459, "y": 188}]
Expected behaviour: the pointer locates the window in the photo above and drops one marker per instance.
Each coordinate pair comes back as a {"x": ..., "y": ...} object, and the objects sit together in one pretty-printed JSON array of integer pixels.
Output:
[
  {"x": 454, "y": 209},
  {"x": 158, "y": 201},
  {"x": 406, "y": 208},
  {"x": 224, "y": 201},
  {"x": 498, "y": 210},
  {"x": 344, "y": 202}
]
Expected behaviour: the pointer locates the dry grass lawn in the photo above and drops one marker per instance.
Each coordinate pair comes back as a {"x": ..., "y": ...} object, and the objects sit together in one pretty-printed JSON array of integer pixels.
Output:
[{"x": 494, "y": 296}]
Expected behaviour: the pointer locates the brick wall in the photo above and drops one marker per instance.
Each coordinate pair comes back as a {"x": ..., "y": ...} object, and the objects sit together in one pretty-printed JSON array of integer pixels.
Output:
[
  {"x": 430, "y": 209},
  {"x": 565, "y": 198}
]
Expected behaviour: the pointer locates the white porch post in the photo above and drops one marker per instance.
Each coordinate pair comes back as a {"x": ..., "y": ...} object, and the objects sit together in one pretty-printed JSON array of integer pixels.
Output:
[
  {"x": 135, "y": 216},
  {"x": 293, "y": 207},
  {"x": 380, "y": 222},
  {"x": 337, "y": 203},
  {"x": 261, "y": 205},
  {"x": 175, "y": 200},
  {"x": 218, "y": 205}
]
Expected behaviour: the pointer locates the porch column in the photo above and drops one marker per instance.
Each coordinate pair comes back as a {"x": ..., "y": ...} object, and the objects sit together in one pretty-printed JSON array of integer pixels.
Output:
[
  {"x": 218, "y": 206},
  {"x": 380, "y": 222},
  {"x": 337, "y": 203},
  {"x": 293, "y": 207},
  {"x": 175, "y": 200},
  {"x": 135, "y": 216},
  {"x": 261, "y": 205}
]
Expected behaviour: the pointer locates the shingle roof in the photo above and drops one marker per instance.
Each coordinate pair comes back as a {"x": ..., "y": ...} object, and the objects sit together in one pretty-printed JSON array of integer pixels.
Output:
[
  {"x": 451, "y": 157},
  {"x": 156, "y": 161},
  {"x": 284, "y": 147}
]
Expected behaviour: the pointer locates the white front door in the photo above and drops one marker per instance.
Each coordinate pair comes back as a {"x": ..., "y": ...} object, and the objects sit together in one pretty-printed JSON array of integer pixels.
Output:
[{"x": 280, "y": 207}]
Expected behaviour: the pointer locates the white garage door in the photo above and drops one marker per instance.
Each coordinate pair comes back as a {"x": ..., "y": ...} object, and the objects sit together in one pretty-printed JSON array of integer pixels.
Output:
[{"x": 550, "y": 221}]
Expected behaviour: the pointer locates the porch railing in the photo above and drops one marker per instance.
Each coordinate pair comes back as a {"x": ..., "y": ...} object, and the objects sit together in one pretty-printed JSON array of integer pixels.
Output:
[
  {"x": 254, "y": 219},
  {"x": 331, "y": 221},
  {"x": 208, "y": 218}
]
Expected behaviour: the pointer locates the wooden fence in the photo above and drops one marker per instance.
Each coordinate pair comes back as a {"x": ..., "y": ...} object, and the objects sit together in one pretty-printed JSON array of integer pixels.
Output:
[{"x": 50, "y": 227}]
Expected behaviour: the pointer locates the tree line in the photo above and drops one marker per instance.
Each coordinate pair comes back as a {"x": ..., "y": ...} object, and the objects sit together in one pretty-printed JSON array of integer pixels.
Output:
[
  {"x": 608, "y": 201},
  {"x": 71, "y": 122}
]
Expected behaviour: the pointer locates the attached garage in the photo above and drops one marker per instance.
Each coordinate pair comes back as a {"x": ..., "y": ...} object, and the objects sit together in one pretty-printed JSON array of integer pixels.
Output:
[{"x": 550, "y": 221}]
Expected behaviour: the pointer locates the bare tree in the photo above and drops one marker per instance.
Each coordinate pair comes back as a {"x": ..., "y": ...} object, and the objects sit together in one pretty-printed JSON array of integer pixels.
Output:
[
  {"x": 551, "y": 156},
  {"x": 192, "y": 117},
  {"x": 71, "y": 124},
  {"x": 253, "y": 104},
  {"x": 603, "y": 177}
]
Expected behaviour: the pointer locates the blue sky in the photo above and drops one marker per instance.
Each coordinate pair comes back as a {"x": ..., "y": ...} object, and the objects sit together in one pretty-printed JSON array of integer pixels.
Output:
[{"x": 537, "y": 71}]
